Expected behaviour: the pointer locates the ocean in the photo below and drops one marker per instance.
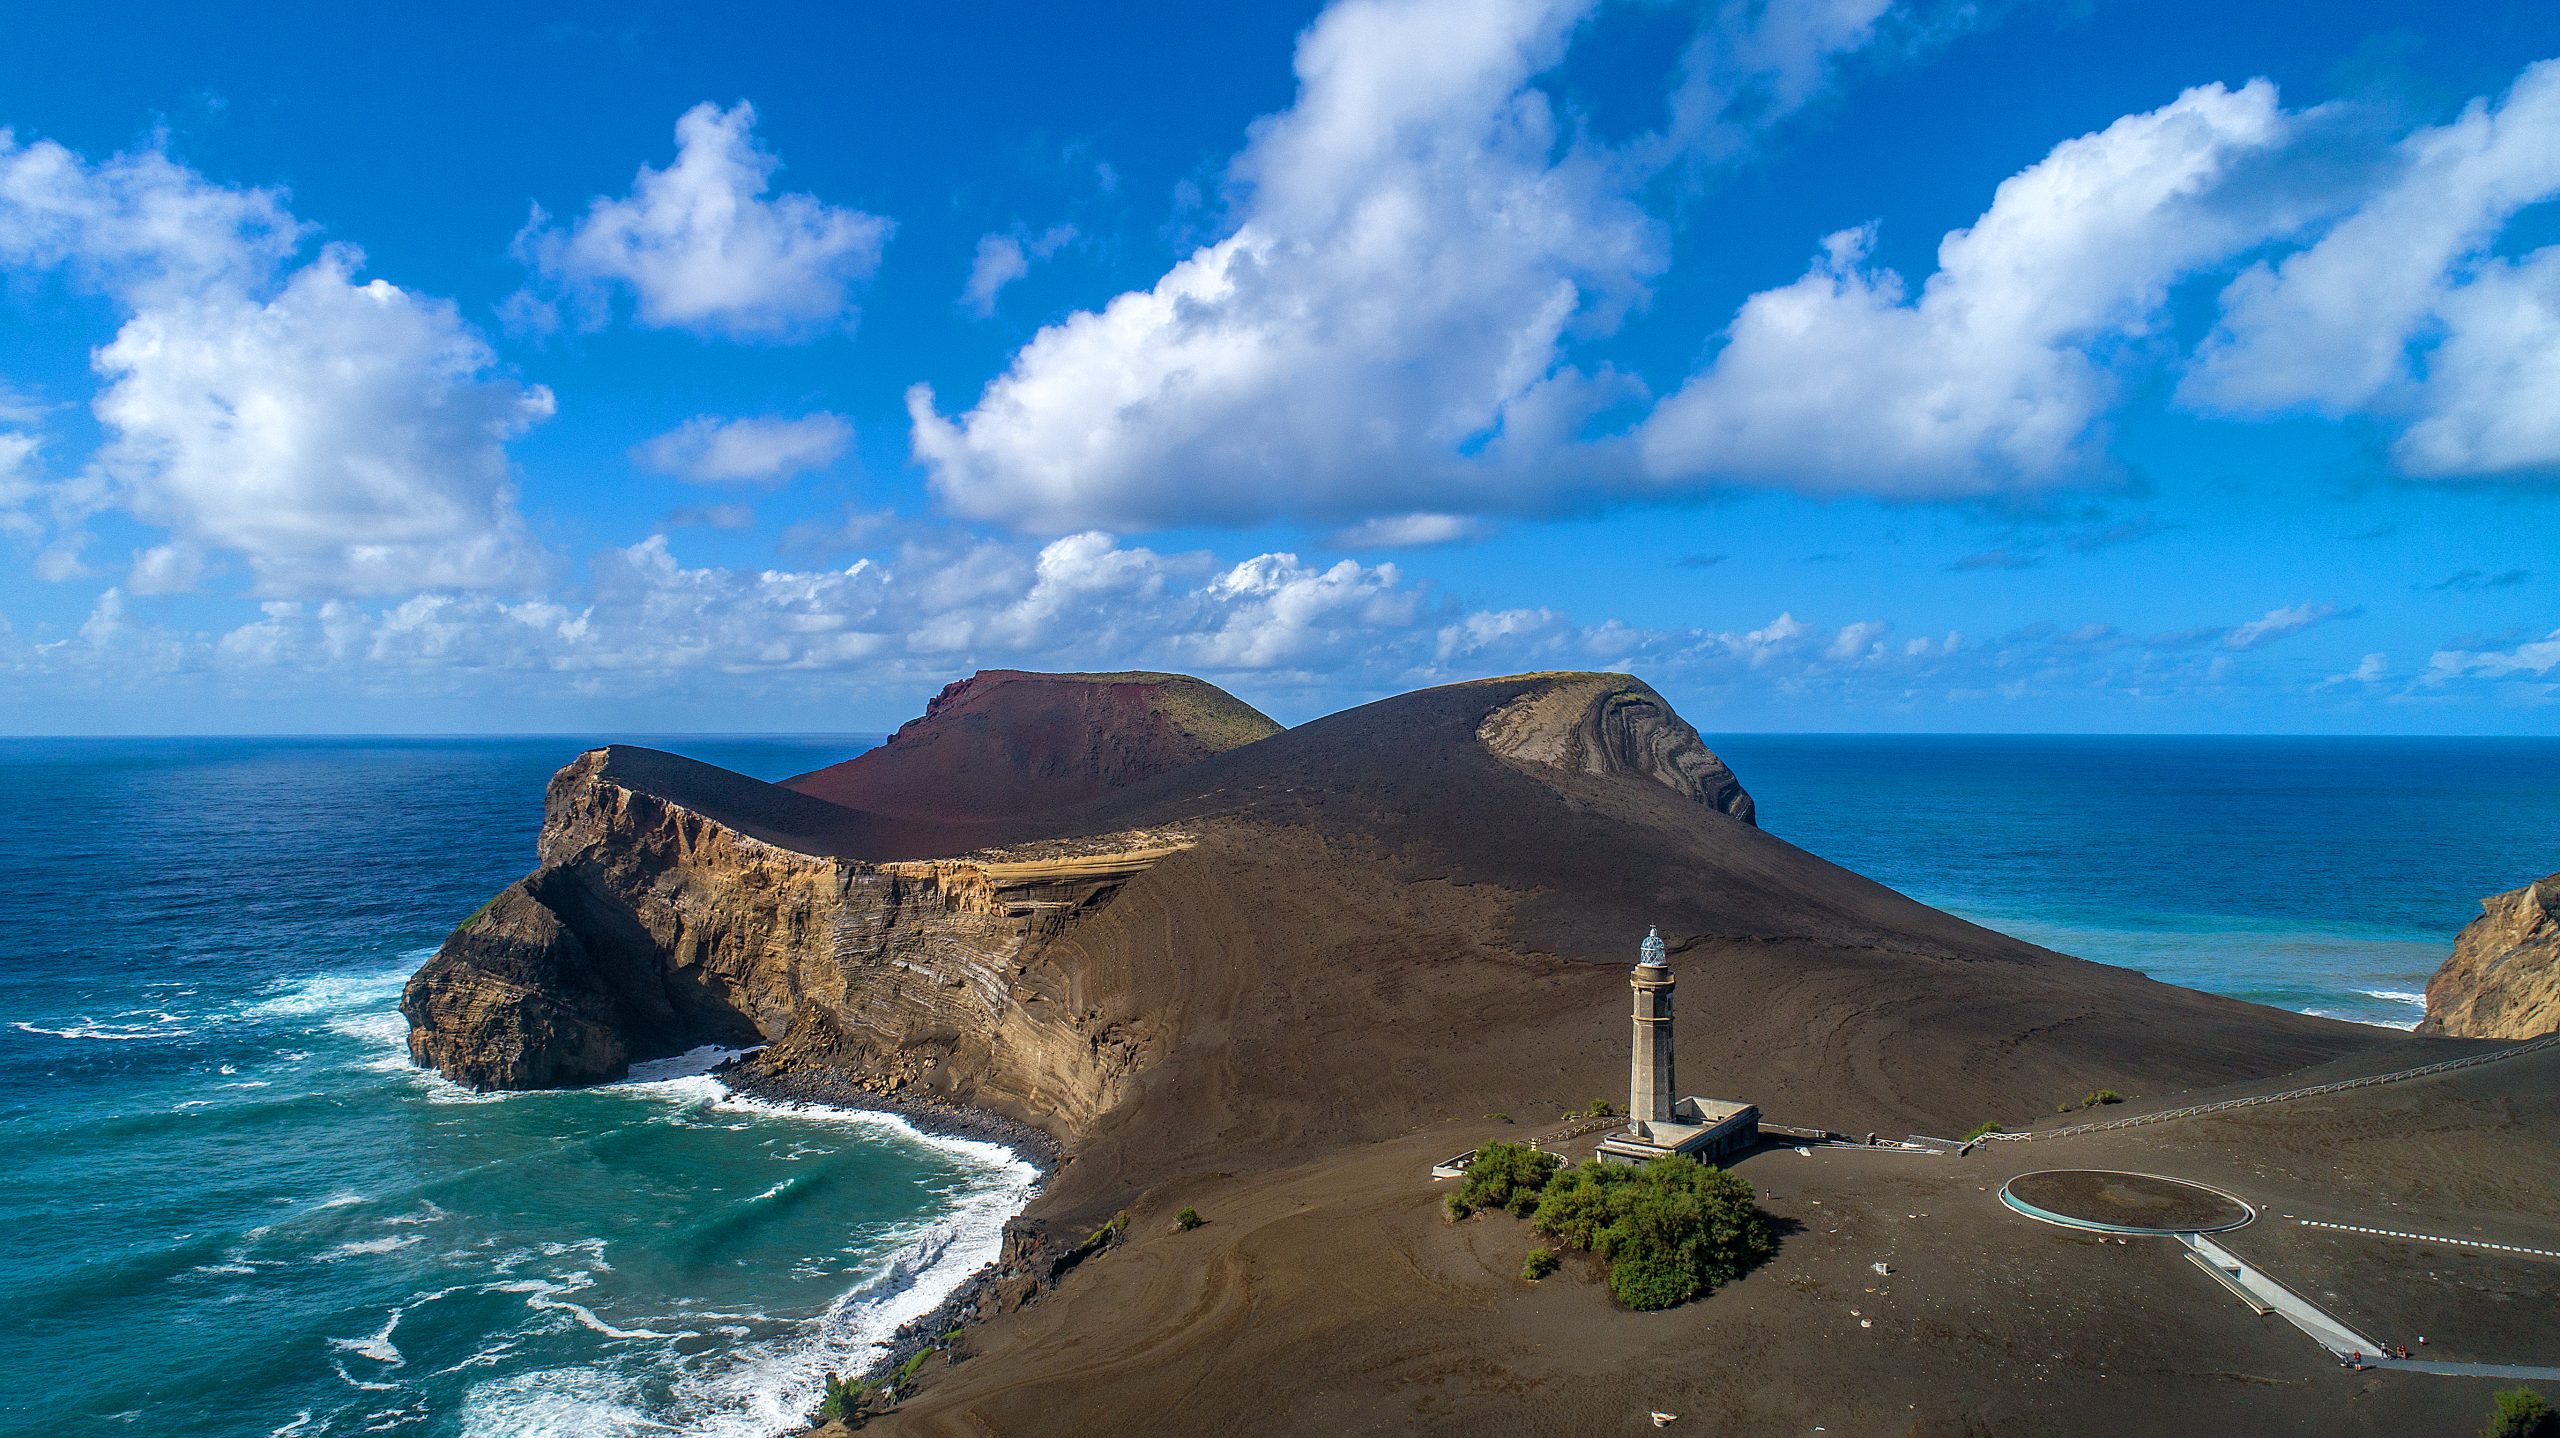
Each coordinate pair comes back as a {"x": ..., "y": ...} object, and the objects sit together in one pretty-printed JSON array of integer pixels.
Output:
[
  {"x": 2327, "y": 875},
  {"x": 236, "y": 1210}
]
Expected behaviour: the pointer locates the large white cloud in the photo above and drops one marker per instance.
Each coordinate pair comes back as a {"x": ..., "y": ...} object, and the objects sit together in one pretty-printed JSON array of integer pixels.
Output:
[
  {"x": 700, "y": 247},
  {"x": 1413, "y": 242},
  {"x": 2403, "y": 309},
  {"x": 344, "y": 434},
  {"x": 1993, "y": 376},
  {"x": 139, "y": 224},
  {"x": 339, "y": 434}
]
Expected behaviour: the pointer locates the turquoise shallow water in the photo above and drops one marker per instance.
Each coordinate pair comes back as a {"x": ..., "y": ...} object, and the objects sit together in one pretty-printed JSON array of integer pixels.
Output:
[{"x": 233, "y": 1209}]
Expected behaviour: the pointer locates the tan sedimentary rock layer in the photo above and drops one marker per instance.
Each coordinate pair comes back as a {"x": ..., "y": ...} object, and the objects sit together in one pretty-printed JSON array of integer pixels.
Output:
[
  {"x": 648, "y": 927},
  {"x": 1611, "y": 726},
  {"x": 2503, "y": 981}
]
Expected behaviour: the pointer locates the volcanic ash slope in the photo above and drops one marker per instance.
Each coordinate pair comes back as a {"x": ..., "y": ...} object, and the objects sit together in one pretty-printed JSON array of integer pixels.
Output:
[{"x": 1194, "y": 951}]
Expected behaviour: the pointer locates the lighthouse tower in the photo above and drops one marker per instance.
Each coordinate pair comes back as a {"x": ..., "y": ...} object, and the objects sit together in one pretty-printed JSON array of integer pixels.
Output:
[{"x": 1650, "y": 1086}]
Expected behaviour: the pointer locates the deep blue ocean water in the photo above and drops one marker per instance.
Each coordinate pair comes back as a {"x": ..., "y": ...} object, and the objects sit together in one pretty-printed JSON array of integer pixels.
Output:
[
  {"x": 2328, "y": 875},
  {"x": 233, "y": 1209}
]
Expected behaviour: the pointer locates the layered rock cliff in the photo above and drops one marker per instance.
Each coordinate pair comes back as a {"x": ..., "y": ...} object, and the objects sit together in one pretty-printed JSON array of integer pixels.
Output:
[
  {"x": 1610, "y": 726},
  {"x": 650, "y": 927},
  {"x": 2503, "y": 981}
]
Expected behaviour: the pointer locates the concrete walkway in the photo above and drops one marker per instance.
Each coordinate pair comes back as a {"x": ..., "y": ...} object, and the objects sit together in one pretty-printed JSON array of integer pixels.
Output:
[
  {"x": 2326, "y": 1331},
  {"x": 2264, "y": 1292}
]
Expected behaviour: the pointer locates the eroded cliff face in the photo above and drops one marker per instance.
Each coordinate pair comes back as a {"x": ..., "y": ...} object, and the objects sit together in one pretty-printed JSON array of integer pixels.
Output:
[
  {"x": 1612, "y": 726},
  {"x": 649, "y": 928},
  {"x": 2503, "y": 981}
]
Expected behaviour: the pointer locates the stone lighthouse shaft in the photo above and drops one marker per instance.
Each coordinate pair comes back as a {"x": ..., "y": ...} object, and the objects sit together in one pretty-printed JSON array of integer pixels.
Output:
[{"x": 1651, "y": 1087}]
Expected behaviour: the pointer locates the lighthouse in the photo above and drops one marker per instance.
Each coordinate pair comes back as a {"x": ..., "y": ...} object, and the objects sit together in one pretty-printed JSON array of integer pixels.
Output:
[
  {"x": 1659, "y": 1123},
  {"x": 1651, "y": 1086}
]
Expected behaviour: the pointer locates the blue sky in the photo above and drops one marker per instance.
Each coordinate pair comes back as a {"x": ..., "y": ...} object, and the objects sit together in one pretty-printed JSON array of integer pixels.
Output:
[{"x": 1840, "y": 364}]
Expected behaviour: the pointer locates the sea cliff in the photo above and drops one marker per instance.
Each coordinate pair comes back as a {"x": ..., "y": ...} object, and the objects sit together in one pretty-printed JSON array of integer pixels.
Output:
[
  {"x": 649, "y": 927},
  {"x": 2503, "y": 981}
]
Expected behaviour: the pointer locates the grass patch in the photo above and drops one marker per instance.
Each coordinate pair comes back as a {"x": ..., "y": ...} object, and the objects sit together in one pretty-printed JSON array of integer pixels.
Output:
[{"x": 910, "y": 1368}]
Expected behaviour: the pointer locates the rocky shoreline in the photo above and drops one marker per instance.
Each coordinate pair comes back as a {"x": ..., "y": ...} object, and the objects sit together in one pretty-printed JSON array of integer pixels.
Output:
[
  {"x": 937, "y": 1116},
  {"x": 1018, "y": 1271}
]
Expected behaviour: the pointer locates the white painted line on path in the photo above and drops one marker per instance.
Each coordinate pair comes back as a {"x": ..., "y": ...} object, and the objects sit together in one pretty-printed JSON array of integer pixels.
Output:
[{"x": 2430, "y": 1238}]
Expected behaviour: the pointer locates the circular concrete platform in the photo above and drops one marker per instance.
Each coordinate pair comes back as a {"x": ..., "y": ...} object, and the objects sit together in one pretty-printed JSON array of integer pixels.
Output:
[{"x": 2108, "y": 1201}]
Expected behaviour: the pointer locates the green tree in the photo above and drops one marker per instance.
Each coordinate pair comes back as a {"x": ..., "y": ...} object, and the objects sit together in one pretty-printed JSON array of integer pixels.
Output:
[
  {"x": 1504, "y": 1175},
  {"x": 2521, "y": 1413},
  {"x": 1670, "y": 1229}
]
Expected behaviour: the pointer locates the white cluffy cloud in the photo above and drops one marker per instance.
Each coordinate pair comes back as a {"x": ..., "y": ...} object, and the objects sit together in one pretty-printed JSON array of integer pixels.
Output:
[
  {"x": 700, "y": 248},
  {"x": 136, "y": 224},
  {"x": 338, "y": 434},
  {"x": 1002, "y": 259},
  {"x": 1993, "y": 376},
  {"x": 2401, "y": 308},
  {"x": 764, "y": 450},
  {"x": 1414, "y": 241}
]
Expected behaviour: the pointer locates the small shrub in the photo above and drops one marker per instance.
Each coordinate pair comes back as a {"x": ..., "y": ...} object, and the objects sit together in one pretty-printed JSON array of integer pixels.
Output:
[
  {"x": 1459, "y": 1209},
  {"x": 1984, "y": 1127},
  {"x": 1187, "y": 1220},
  {"x": 1499, "y": 1117},
  {"x": 843, "y": 1400},
  {"x": 2104, "y": 1095},
  {"x": 1540, "y": 1262},
  {"x": 1504, "y": 1175},
  {"x": 2521, "y": 1413},
  {"x": 2062, "y": 1108},
  {"x": 1600, "y": 1108}
]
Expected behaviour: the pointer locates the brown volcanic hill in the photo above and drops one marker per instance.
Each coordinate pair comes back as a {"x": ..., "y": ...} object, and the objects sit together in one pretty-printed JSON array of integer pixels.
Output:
[
  {"x": 1004, "y": 744},
  {"x": 1277, "y": 980}
]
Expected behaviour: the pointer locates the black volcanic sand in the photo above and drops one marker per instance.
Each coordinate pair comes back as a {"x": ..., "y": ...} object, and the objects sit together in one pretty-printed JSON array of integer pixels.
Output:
[
  {"x": 1385, "y": 932},
  {"x": 2126, "y": 1200},
  {"x": 1333, "y": 1297}
]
